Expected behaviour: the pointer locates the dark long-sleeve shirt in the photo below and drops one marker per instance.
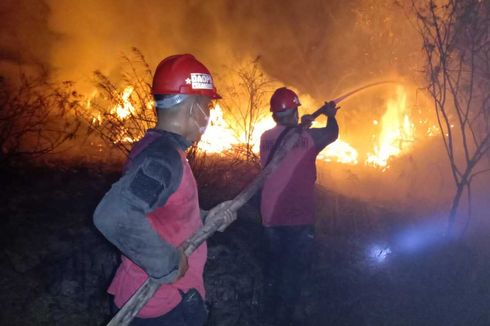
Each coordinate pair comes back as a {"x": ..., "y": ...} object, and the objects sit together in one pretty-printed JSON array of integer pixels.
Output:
[{"x": 153, "y": 173}]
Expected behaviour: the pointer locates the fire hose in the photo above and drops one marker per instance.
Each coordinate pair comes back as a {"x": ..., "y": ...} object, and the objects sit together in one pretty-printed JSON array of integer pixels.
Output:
[{"x": 213, "y": 222}]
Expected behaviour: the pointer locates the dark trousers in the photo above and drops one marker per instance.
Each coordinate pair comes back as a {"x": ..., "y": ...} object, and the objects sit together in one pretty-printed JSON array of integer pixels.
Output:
[
  {"x": 289, "y": 251},
  {"x": 191, "y": 311}
]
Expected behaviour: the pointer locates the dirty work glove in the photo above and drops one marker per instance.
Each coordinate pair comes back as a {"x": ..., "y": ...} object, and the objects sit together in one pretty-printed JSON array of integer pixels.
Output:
[
  {"x": 227, "y": 215},
  {"x": 307, "y": 120},
  {"x": 329, "y": 109}
]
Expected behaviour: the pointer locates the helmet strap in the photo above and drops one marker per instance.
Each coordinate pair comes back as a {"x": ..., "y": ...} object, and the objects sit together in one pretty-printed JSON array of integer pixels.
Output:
[
  {"x": 285, "y": 117},
  {"x": 171, "y": 100},
  {"x": 285, "y": 113}
]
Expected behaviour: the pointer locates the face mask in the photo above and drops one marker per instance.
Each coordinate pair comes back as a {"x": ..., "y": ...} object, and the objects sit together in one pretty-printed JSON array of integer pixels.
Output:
[{"x": 201, "y": 129}]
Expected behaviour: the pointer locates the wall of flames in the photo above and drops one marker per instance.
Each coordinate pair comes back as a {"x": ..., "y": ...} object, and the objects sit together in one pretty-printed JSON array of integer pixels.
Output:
[
  {"x": 396, "y": 136},
  {"x": 396, "y": 133}
]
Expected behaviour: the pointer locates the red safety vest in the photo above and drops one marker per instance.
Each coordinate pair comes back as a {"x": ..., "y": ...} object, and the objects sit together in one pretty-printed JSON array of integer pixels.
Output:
[
  {"x": 288, "y": 192},
  {"x": 176, "y": 221}
]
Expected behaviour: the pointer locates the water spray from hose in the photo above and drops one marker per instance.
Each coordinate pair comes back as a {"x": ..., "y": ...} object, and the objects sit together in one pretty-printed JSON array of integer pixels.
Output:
[{"x": 355, "y": 91}]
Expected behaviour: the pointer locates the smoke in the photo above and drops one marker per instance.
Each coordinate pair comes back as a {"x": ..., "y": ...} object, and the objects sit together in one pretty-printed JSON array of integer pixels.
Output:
[
  {"x": 319, "y": 47},
  {"x": 25, "y": 39}
]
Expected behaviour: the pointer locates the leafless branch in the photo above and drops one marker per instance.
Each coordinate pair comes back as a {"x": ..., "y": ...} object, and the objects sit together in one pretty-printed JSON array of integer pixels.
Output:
[
  {"x": 456, "y": 38},
  {"x": 36, "y": 117}
]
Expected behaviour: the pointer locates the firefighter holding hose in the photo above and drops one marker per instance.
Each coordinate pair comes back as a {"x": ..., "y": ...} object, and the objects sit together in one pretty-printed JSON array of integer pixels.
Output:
[
  {"x": 287, "y": 202},
  {"x": 154, "y": 207}
]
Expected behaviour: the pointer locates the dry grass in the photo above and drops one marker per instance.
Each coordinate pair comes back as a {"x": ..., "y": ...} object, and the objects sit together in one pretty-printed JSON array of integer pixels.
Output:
[
  {"x": 36, "y": 117},
  {"x": 100, "y": 112}
]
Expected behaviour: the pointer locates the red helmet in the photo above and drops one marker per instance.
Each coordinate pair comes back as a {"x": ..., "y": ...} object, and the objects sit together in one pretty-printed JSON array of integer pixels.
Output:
[
  {"x": 283, "y": 99},
  {"x": 183, "y": 74}
]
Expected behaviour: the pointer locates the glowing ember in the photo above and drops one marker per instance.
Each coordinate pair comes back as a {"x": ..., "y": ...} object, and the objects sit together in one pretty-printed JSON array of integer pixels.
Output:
[
  {"x": 432, "y": 131},
  {"x": 219, "y": 137},
  {"x": 127, "y": 139},
  {"x": 97, "y": 119},
  {"x": 397, "y": 132},
  {"x": 150, "y": 104},
  {"x": 126, "y": 109}
]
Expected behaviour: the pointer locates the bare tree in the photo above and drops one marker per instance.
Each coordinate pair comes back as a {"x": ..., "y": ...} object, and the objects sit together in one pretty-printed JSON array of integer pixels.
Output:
[
  {"x": 36, "y": 117},
  {"x": 456, "y": 41},
  {"x": 245, "y": 102}
]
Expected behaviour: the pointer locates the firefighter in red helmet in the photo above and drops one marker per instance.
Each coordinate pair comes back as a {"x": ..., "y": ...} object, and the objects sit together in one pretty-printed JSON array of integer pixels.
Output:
[
  {"x": 154, "y": 206},
  {"x": 287, "y": 202}
]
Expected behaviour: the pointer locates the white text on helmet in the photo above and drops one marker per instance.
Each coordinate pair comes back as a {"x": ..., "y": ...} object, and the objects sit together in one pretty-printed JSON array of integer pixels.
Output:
[{"x": 201, "y": 81}]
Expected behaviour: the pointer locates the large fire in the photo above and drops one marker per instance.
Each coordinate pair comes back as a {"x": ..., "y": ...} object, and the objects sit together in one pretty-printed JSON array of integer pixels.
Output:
[
  {"x": 395, "y": 133},
  {"x": 219, "y": 137},
  {"x": 339, "y": 151}
]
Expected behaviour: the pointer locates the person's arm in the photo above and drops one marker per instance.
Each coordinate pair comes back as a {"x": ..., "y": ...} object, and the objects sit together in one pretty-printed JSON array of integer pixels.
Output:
[
  {"x": 327, "y": 135},
  {"x": 121, "y": 215}
]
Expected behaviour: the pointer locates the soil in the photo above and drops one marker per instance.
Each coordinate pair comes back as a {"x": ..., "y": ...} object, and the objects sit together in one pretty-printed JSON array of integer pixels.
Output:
[{"x": 55, "y": 266}]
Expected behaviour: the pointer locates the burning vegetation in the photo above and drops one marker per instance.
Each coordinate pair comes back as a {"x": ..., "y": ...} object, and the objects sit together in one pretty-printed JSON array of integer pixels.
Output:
[
  {"x": 121, "y": 116},
  {"x": 409, "y": 170}
]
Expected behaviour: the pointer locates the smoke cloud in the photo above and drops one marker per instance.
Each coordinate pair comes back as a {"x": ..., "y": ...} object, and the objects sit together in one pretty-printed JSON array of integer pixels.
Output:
[{"x": 319, "y": 47}]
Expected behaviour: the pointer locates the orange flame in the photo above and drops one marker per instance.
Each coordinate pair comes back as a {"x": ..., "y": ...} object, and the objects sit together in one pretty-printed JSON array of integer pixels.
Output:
[
  {"x": 126, "y": 109},
  {"x": 219, "y": 137},
  {"x": 260, "y": 127},
  {"x": 397, "y": 132},
  {"x": 339, "y": 151}
]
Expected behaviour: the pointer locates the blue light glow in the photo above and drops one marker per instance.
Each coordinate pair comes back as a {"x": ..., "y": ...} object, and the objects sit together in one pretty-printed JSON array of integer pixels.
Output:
[
  {"x": 418, "y": 238},
  {"x": 409, "y": 241},
  {"x": 379, "y": 253}
]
